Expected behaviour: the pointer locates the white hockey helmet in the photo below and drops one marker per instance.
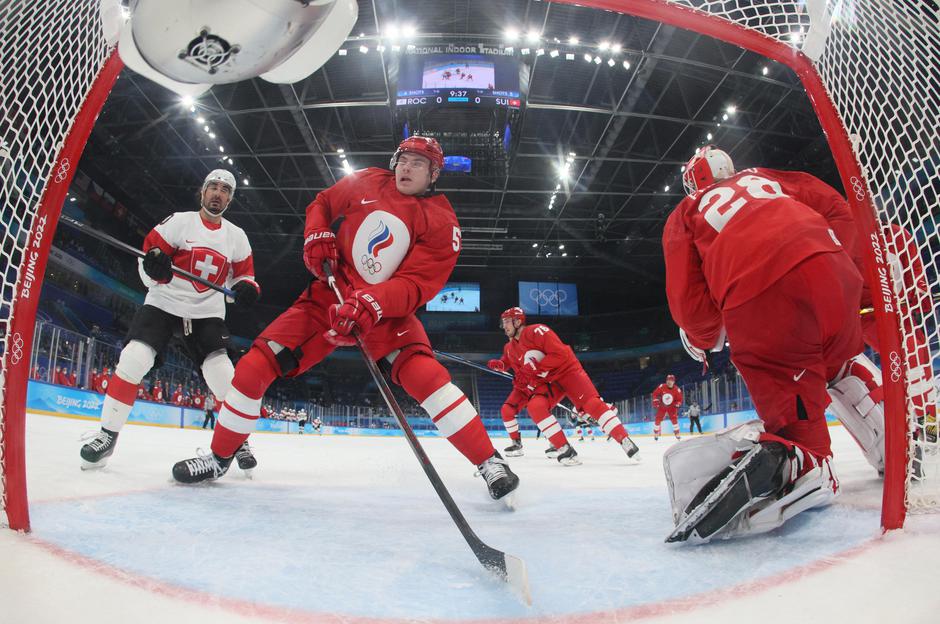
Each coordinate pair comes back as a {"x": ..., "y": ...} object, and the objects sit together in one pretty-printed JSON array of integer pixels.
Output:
[
  {"x": 707, "y": 166},
  {"x": 222, "y": 176}
]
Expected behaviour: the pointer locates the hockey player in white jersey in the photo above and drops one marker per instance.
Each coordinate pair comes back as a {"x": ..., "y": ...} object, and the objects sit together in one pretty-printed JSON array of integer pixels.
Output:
[{"x": 203, "y": 243}]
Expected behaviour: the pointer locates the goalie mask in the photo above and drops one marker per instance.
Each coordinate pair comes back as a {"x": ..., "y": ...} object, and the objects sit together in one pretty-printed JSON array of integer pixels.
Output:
[
  {"x": 219, "y": 176},
  {"x": 708, "y": 166}
]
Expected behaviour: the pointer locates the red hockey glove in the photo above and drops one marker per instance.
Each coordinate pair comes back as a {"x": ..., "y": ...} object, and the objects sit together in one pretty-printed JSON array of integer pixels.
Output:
[
  {"x": 360, "y": 312},
  {"x": 320, "y": 246},
  {"x": 496, "y": 365}
]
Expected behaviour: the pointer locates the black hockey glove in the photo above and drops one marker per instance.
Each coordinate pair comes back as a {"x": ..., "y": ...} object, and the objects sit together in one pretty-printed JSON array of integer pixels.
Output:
[
  {"x": 157, "y": 266},
  {"x": 246, "y": 294}
]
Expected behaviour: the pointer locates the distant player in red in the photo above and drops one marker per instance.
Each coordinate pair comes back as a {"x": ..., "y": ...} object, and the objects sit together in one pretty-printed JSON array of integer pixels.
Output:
[
  {"x": 201, "y": 242},
  {"x": 554, "y": 373},
  {"x": 762, "y": 256},
  {"x": 61, "y": 377},
  {"x": 177, "y": 398},
  {"x": 667, "y": 398},
  {"x": 156, "y": 392},
  {"x": 392, "y": 242},
  {"x": 101, "y": 385},
  {"x": 73, "y": 378},
  {"x": 522, "y": 388}
]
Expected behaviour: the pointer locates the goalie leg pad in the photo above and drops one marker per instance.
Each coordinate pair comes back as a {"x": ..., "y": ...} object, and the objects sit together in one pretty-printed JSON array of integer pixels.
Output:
[
  {"x": 759, "y": 474},
  {"x": 857, "y": 402}
]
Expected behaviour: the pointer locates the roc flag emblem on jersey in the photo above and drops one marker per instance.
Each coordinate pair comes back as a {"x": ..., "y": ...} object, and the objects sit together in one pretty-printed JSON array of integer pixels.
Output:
[{"x": 379, "y": 239}]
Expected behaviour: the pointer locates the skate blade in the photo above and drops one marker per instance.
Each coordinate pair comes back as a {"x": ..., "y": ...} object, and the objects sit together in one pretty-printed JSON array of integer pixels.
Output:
[
  {"x": 509, "y": 501},
  {"x": 514, "y": 453},
  {"x": 572, "y": 461},
  {"x": 248, "y": 472},
  {"x": 87, "y": 465}
]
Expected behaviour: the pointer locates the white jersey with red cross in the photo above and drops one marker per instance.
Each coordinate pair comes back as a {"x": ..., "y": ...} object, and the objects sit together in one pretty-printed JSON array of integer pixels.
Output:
[{"x": 218, "y": 252}]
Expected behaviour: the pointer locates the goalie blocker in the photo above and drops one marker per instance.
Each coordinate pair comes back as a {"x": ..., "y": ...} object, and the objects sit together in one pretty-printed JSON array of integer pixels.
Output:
[{"x": 742, "y": 481}]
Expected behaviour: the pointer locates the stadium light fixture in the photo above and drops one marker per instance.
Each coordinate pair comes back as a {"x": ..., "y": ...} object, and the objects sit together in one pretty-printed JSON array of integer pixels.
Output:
[
  {"x": 564, "y": 255},
  {"x": 222, "y": 149},
  {"x": 562, "y": 246},
  {"x": 340, "y": 150},
  {"x": 342, "y": 52},
  {"x": 539, "y": 52},
  {"x": 626, "y": 64},
  {"x": 245, "y": 181},
  {"x": 201, "y": 120},
  {"x": 206, "y": 128},
  {"x": 666, "y": 189},
  {"x": 230, "y": 161},
  {"x": 709, "y": 136},
  {"x": 409, "y": 30},
  {"x": 611, "y": 62},
  {"x": 511, "y": 34},
  {"x": 534, "y": 245},
  {"x": 553, "y": 54},
  {"x": 392, "y": 31},
  {"x": 616, "y": 48},
  {"x": 573, "y": 40},
  {"x": 532, "y": 36},
  {"x": 732, "y": 109},
  {"x": 212, "y": 135},
  {"x": 364, "y": 49},
  {"x": 569, "y": 56},
  {"x": 597, "y": 60},
  {"x": 525, "y": 50},
  {"x": 764, "y": 70},
  {"x": 587, "y": 57},
  {"x": 604, "y": 46}
]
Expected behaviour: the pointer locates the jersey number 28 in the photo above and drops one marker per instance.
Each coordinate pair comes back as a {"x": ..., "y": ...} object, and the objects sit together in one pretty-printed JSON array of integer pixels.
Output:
[{"x": 717, "y": 211}]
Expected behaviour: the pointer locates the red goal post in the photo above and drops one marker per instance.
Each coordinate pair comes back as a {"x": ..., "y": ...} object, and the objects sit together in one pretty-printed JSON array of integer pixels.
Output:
[{"x": 867, "y": 66}]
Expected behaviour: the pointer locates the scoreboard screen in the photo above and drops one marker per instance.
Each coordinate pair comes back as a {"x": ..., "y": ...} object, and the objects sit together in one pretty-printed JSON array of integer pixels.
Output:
[{"x": 458, "y": 79}]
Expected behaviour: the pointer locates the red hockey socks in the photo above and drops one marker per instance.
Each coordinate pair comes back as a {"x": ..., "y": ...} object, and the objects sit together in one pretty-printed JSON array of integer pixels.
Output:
[
  {"x": 510, "y": 422},
  {"x": 606, "y": 417},
  {"x": 242, "y": 405},
  {"x": 429, "y": 384},
  {"x": 539, "y": 410}
]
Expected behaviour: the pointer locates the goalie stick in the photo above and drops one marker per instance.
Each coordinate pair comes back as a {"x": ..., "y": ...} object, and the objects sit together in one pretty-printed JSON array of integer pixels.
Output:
[
  {"x": 507, "y": 567},
  {"x": 107, "y": 238}
]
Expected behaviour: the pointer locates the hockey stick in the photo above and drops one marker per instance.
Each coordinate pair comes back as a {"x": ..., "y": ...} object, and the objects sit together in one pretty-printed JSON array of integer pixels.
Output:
[
  {"x": 509, "y": 568},
  {"x": 107, "y": 238},
  {"x": 486, "y": 369}
]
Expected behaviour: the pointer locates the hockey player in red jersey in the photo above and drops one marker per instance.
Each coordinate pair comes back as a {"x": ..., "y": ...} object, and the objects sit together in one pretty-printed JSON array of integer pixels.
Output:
[
  {"x": 760, "y": 255},
  {"x": 392, "y": 242},
  {"x": 203, "y": 243},
  {"x": 667, "y": 398},
  {"x": 554, "y": 372},
  {"x": 522, "y": 388}
]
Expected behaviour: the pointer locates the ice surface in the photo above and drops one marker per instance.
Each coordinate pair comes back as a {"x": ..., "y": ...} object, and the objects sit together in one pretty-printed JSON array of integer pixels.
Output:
[{"x": 339, "y": 528}]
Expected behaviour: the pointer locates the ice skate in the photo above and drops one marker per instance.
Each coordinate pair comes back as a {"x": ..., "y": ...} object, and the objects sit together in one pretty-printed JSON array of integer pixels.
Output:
[
  {"x": 567, "y": 456},
  {"x": 246, "y": 459},
  {"x": 500, "y": 480},
  {"x": 96, "y": 452},
  {"x": 759, "y": 474},
  {"x": 551, "y": 452},
  {"x": 203, "y": 467},
  {"x": 514, "y": 449},
  {"x": 630, "y": 448}
]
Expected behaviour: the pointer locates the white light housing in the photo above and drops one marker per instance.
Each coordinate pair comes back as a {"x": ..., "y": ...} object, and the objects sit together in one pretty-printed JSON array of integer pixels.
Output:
[
  {"x": 626, "y": 64},
  {"x": 764, "y": 70},
  {"x": 342, "y": 52},
  {"x": 245, "y": 181},
  {"x": 534, "y": 245},
  {"x": 562, "y": 246},
  {"x": 511, "y": 34},
  {"x": 611, "y": 62},
  {"x": 709, "y": 136},
  {"x": 569, "y": 56},
  {"x": 525, "y": 50},
  {"x": 364, "y": 49},
  {"x": 597, "y": 60},
  {"x": 616, "y": 48},
  {"x": 573, "y": 40},
  {"x": 604, "y": 46},
  {"x": 587, "y": 57},
  {"x": 553, "y": 54},
  {"x": 532, "y": 36},
  {"x": 221, "y": 149},
  {"x": 539, "y": 52},
  {"x": 409, "y": 30},
  {"x": 201, "y": 120}
]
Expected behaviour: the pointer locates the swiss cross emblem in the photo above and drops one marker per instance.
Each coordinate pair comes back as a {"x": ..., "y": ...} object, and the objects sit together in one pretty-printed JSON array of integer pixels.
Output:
[{"x": 208, "y": 264}]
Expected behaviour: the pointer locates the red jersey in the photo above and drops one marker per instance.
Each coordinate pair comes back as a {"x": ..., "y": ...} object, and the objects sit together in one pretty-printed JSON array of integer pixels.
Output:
[
  {"x": 177, "y": 398},
  {"x": 400, "y": 248},
  {"x": 666, "y": 397},
  {"x": 102, "y": 386},
  {"x": 156, "y": 394},
  {"x": 539, "y": 345},
  {"x": 61, "y": 378},
  {"x": 521, "y": 378},
  {"x": 142, "y": 392},
  {"x": 73, "y": 379},
  {"x": 197, "y": 401},
  {"x": 727, "y": 244}
]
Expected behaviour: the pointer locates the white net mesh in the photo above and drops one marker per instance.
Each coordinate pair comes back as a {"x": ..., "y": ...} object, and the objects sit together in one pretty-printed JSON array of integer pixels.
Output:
[{"x": 50, "y": 53}]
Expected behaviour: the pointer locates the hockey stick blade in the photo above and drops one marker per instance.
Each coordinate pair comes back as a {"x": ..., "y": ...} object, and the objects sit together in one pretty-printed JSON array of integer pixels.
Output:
[{"x": 508, "y": 568}]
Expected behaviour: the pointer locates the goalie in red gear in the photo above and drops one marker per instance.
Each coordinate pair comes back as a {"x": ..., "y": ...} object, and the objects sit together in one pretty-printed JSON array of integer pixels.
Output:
[
  {"x": 667, "y": 398},
  {"x": 554, "y": 373},
  {"x": 395, "y": 249},
  {"x": 762, "y": 255}
]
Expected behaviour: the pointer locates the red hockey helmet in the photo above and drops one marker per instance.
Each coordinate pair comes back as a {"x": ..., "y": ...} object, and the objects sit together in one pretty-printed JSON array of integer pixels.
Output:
[
  {"x": 513, "y": 313},
  {"x": 707, "y": 166},
  {"x": 423, "y": 146}
]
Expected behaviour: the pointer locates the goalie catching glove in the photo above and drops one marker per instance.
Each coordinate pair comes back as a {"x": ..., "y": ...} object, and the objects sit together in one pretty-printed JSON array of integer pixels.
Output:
[
  {"x": 320, "y": 247},
  {"x": 157, "y": 266},
  {"x": 359, "y": 313}
]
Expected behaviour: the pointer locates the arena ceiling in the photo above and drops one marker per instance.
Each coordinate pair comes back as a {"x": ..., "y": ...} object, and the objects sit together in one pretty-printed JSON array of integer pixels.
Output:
[{"x": 628, "y": 119}]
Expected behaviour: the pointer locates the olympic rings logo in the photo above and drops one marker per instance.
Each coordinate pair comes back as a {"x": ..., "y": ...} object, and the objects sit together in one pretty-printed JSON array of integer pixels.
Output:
[
  {"x": 16, "y": 350},
  {"x": 370, "y": 265},
  {"x": 895, "y": 365},
  {"x": 858, "y": 187},
  {"x": 63, "y": 171},
  {"x": 548, "y": 297}
]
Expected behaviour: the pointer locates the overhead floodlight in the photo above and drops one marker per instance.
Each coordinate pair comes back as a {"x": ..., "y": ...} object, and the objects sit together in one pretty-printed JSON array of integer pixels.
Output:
[
  {"x": 206, "y": 128},
  {"x": 604, "y": 46},
  {"x": 392, "y": 31},
  {"x": 539, "y": 52},
  {"x": 666, "y": 188},
  {"x": 573, "y": 40},
  {"x": 626, "y": 64},
  {"x": 611, "y": 62},
  {"x": 597, "y": 60},
  {"x": 724, "y": 117},
  {"x": 245, "y": 181},
  {"x": 764, "y": 70},
  {"x": 187, "y": 100},
  {"x": 201, "y": 120},
  {"x": 532, "y": 36},
  {"x": 553, "y": 54},
  {"x": 230, "y": 161},
  {"x": 525, "y": 50},
  {"x": 409, "y": 30},
  {"x": 562, "y": 246},
  {"x": 569, "y": 56},
  {"x": 340, "y": 150},
  {"x": 709, "y": 136},
  {"x": 564, "y": 254},
  {"x": 212, "y": 135},
  {"x": 588, "y": 57},
  {"x": 534, "y": 245},
  {"x": 221, "y": 149},
  {"x": 342, "y": 52},
  {"x": 616, "y": 48},
  {"x": 364, "y": 49},
  {"x": 732, "y": 109},
  {"x": 511, "y": 34}
]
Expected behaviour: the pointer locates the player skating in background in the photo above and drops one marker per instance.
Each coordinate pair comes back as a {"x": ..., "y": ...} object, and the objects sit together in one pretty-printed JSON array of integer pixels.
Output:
[
  {"x": 206, "y": 244},
  {"x": 554, "y": 372},
  {"x": 667, "y": 399},
  {"x": 396, "y": 245},
  {"x": 761, "y": 255},
  {"x": 317, "y": 425}
]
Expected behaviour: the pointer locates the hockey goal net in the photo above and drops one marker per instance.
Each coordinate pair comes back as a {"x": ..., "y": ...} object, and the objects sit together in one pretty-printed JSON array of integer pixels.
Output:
[{"x": 869, "y": 67}]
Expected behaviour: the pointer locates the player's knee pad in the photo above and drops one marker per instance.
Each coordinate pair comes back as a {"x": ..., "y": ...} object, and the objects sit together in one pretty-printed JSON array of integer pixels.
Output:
[
  {"x": 857, "y": 401},
  {"x": 690, "y": 464},
  {"x": 255, "y": 372},
  {"x": 405, "y": 356},
  {"x": 283, "y": 360},
  {"x": 136, "y": 361},
  {"x": 419, "y": 373},
  {"x": 218, "y": 371}
]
